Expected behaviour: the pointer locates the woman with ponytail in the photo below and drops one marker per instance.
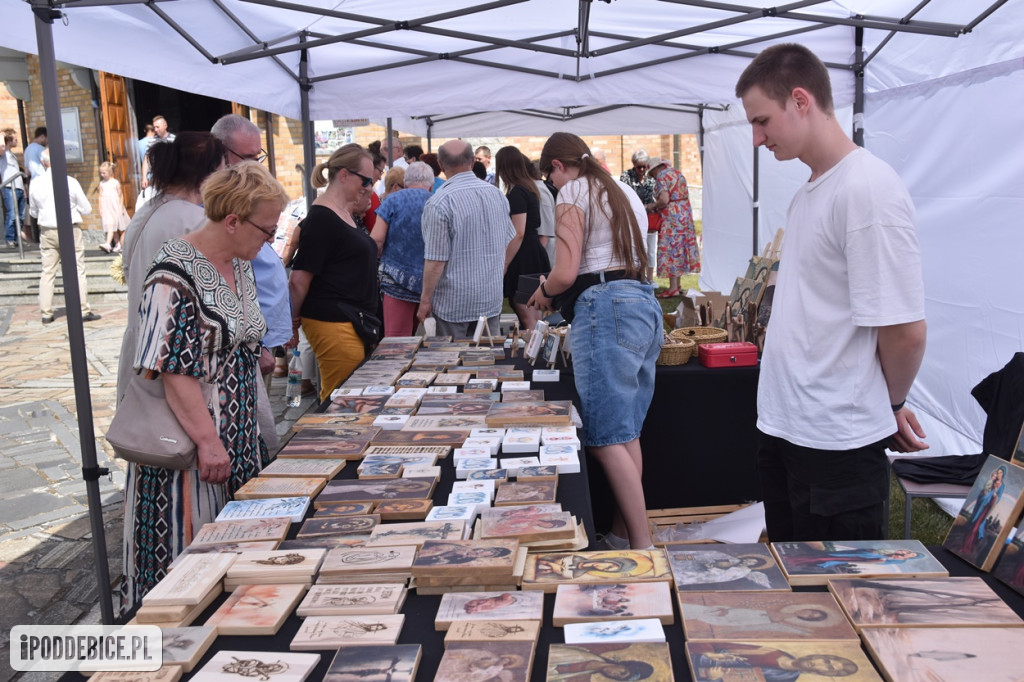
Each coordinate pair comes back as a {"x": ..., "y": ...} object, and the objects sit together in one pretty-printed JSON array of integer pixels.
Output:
[
  {"x": 334, "y": 272},
  {"x": 178, "y": 169},
  {"x": 616, "y": 335}
]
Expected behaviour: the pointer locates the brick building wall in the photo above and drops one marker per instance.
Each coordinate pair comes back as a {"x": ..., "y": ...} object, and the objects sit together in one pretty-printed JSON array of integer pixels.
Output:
[
  {"x": 618, "y": 149},
  {"x": 71, "y": 95}
]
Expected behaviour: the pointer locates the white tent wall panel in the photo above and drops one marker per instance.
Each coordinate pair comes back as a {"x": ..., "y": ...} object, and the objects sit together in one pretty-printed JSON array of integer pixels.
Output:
[
  {"x": 728, "y": 195},
  {"x": 956, "y": 143}
]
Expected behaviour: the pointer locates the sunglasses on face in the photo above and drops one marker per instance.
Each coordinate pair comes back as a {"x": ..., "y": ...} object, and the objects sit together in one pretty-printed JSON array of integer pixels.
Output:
[{"x": 366, "y": 181}]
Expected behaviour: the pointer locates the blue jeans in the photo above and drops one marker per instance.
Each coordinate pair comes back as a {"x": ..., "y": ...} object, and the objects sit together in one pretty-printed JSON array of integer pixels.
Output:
[
  {"x": 615, "y": 342},
  {"x": 10, "y": 230}
]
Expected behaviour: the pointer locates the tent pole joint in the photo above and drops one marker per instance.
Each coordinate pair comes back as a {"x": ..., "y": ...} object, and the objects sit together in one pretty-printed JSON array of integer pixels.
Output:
[
  {"x": 45, "y": 13},
  {"x": 94, "y": 473}
]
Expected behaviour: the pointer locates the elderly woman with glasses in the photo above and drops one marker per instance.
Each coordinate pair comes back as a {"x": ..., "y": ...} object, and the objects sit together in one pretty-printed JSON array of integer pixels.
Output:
[
  {"x": 334, "y": 272},
  {"x": 643, "y": 184},
  {"x": 179, "y": 168},
  {"x": 201, "y": 325}
]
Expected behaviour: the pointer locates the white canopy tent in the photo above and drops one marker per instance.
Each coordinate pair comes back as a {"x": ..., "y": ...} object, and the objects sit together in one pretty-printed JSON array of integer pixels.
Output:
[{"x": 935, "y": 85}]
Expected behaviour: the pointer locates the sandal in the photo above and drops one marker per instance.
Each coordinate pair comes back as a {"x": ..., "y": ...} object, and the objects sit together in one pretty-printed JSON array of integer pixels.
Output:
[{"x": 668, "y": 293}]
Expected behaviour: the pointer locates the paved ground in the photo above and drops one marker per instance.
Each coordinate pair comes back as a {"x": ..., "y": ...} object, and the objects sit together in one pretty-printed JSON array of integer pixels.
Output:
[{"x": 46, "y": 553}]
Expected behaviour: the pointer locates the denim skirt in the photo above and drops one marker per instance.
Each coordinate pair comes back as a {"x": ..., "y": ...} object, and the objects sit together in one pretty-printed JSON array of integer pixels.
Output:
[{"x": 615, "y": 341}]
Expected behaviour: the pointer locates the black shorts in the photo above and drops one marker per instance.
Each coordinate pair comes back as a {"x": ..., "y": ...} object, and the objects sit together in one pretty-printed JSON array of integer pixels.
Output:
[{"x": 812, "y": 494}]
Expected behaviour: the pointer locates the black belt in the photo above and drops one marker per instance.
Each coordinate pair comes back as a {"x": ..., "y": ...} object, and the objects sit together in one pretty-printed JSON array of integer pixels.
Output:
[{"x": 592, "y": 278}]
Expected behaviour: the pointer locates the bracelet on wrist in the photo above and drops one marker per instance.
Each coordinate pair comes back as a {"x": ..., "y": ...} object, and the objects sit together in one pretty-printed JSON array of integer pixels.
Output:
[
  {"x": 899, "y": 406},
  {"x": 544, "y": 291}
]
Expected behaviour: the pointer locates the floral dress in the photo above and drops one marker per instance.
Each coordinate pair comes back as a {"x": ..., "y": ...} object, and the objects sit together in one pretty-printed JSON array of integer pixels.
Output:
[
  {"x": 678, "y": 251},
  {"x": 190, "y": 323}
]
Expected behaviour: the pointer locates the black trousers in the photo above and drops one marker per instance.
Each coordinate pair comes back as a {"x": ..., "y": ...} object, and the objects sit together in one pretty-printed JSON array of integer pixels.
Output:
[{"x": 812, "y": 494}]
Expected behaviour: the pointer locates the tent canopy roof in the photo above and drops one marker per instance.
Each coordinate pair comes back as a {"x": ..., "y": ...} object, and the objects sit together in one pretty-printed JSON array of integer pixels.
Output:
[{"x": 403, "y": 57}]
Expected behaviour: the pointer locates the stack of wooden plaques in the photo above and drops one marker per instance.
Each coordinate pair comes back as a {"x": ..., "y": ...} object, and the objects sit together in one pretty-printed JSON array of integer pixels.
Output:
[
  {"x": 304, "y": 467},
  {"x": 295, "y": 566},
  {"x": 242, "y": 530},
  {"x": 487, "y": 631},
  {"x": 257, "y": 665},
  {"x": 468, "y": 565},
  {"x": 346, "y": 491},
  {"x": 509, "y": 661},
  {"x": 336, "y": 442},
  {"x": 333, "y": 632},
  {"x": 613, "y": 601},
  {"x": 293, "y": 507},
  {"x": 814, "y": 563},
  {"x": 184, "y": 647},
  {"x": 185, "y": 591},
  {"x": 368, "y": 662},
  {"x": 537, "y": 526},
  {"x": 355, "y": 565},
  {"x": 264, "y": 487},
  {"x": 343, "y": 600},
  {"x": 504, "y": 605},
  {"x": 546, "y": 571},
  {"x": 256, "y": 609},
  {"x": 416, "y": 533}
]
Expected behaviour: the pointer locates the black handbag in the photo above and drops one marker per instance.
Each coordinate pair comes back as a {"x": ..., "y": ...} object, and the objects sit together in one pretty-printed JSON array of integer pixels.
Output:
[{"x": 369, "y": 327}]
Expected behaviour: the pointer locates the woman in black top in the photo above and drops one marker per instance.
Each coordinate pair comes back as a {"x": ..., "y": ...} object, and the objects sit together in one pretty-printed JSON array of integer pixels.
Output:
[
  {"x": 529, "y": 256},
  {"x": 334, "y": 273}
]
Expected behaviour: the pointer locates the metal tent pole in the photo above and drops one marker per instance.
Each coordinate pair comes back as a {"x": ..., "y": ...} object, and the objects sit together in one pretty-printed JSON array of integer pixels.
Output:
[
  {"x": 858, "y": 88},
  {"x": 308, "y": 148},
  {"x": 757, "y": 199},
  {"x": 387, "y": 141},
  {"x": 72, "y": 297}
]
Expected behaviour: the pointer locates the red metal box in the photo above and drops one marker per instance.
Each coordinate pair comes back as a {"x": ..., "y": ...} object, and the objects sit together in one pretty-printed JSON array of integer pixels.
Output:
[{"x": 736, "y": 354}]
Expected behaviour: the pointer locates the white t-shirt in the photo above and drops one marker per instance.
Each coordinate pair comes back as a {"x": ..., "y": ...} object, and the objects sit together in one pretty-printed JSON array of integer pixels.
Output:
[
  {"x": 850, "y": 263},
  {"x": 597, "y": 250}
]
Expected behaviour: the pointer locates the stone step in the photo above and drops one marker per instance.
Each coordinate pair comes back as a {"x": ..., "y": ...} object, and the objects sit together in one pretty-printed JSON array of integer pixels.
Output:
[{"x": 25, "y": 289}]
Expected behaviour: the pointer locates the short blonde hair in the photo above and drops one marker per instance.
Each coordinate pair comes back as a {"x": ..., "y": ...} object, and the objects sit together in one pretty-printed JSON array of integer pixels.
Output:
[
  {"x": 107, "y": 165},
  {"x": 395, "y": 176},
  {"x": 347, "y": 156},
  {"x": 237, "y": 190}
]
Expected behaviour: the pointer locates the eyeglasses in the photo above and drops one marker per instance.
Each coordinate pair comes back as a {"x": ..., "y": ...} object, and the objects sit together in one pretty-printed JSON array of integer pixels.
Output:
[
  {"x": 259, "y": 158},
  {"x": 270, "y": 232},
  {"x": 366, "y": 181}
]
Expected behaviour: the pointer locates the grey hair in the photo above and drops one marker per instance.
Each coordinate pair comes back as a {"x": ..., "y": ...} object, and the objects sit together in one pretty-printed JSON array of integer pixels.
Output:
[
  {"x": 448, "y": 158},
  {"x": 419, "y": 174},
  {"x": 640, "y": 156},
  {"x": 231, "y": 125}
]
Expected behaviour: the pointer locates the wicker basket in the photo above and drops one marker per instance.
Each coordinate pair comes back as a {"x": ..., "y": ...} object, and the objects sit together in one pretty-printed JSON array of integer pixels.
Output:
[
  {"x": 676, "y": 351},
  {"x": 700, "y": 334}
]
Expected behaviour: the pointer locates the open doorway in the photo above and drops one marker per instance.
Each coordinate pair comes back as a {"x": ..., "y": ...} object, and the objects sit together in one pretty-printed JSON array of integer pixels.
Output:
[{"x": 183, "y": 110}]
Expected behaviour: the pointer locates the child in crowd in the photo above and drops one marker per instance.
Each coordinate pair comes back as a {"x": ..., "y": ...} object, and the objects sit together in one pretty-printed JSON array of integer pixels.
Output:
[{"x": 113, "y": 215}]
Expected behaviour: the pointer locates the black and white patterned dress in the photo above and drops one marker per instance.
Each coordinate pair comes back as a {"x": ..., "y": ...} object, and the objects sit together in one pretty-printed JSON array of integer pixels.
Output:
[{"x": 190, "y": 320}]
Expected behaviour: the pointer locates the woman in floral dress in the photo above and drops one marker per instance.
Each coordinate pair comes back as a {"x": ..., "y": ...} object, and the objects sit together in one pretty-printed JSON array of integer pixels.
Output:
[
  {"x": 678, "y": 251},
  {"x": 195, "y": 328}
]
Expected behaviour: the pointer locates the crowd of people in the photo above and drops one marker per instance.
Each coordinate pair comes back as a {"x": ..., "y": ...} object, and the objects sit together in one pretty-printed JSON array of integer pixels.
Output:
[{"x": 396, "y": 236}]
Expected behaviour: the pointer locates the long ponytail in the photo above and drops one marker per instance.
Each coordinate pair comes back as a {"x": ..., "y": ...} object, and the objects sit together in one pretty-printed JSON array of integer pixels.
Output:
[{"x": 628, "y": 242}]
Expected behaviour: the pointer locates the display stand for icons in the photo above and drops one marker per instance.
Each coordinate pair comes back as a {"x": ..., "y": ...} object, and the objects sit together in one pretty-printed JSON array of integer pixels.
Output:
[
  {"x": 481, "y": 327},
  {"x": 536, "y": 342}
]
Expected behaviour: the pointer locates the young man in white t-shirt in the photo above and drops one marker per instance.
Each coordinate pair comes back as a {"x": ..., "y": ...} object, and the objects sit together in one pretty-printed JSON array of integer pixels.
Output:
[{"x": 847, "y": 333}]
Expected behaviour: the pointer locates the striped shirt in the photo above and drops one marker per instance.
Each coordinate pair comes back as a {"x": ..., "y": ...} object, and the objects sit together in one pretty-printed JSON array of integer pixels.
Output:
[{"x": 466, "y": 224}]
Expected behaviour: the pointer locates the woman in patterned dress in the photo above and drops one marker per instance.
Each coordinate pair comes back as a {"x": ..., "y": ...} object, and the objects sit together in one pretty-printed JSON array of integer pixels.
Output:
[
  {"x": 196, "y": 328},
  {"x": 678, "y": 252}
]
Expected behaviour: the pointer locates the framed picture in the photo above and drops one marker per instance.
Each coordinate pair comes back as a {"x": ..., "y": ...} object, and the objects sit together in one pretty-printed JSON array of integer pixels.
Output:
[{"x": 992, "y": 507}]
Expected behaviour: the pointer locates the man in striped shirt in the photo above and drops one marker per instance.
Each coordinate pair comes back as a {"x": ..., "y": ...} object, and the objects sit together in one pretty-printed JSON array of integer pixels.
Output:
[{"x": 466, "y": 235}]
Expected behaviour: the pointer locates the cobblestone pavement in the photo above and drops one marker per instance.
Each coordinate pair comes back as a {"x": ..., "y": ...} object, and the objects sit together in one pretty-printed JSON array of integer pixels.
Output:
[{"x": 46, "y": 555}]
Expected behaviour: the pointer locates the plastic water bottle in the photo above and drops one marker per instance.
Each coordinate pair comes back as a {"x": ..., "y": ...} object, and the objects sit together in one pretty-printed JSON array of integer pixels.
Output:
[{"x": 293, "y": 392}]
